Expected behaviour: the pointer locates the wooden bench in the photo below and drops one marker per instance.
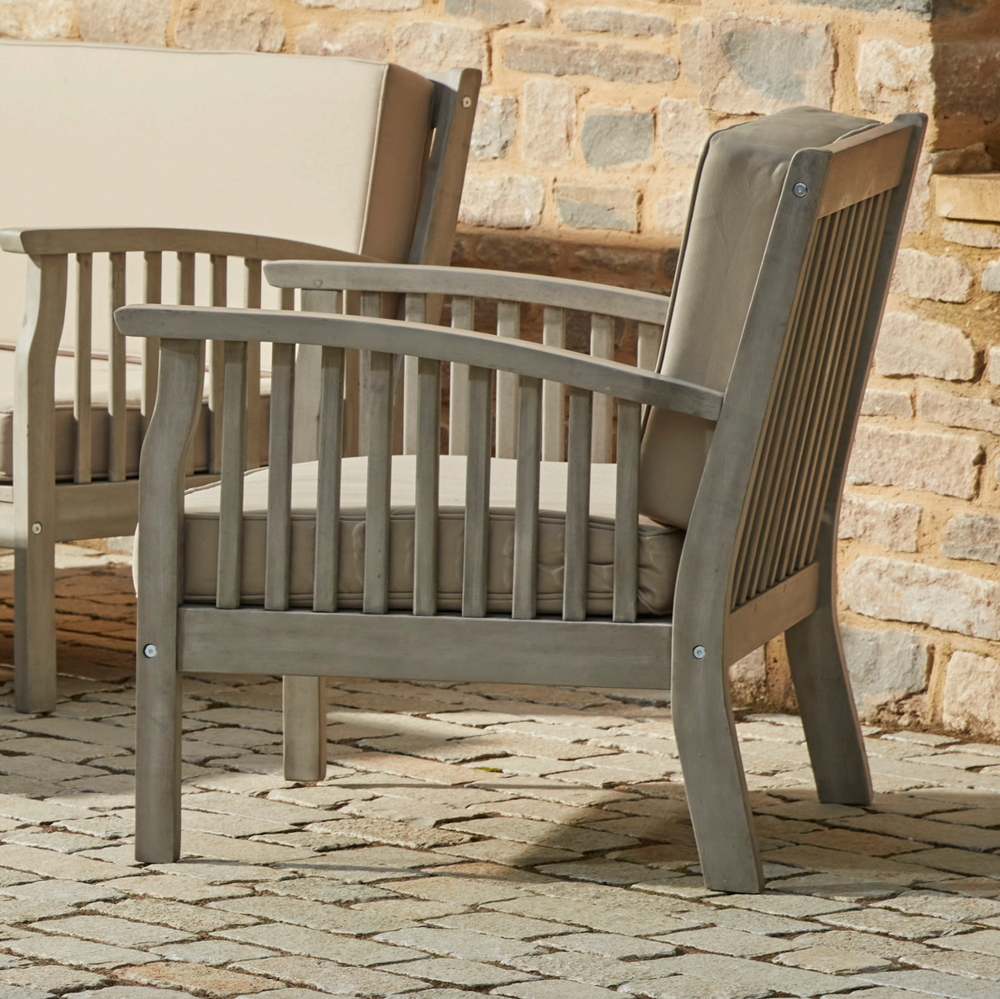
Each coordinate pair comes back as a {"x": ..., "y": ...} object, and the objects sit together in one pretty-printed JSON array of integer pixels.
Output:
[{"x": 140, "y": 171}]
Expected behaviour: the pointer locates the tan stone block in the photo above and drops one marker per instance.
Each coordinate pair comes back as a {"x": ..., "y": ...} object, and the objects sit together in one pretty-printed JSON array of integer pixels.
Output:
[
  {"x": 991, "y": 276},
  {"x": 683, "y": 128},
  {"x": 758, "y": 65},
  {"x": 672, "y": 212},
  {"x": 359, "y": 41},
  {"x": 242, "y": 25},
  {"x": 972, "y": 694},
  {"x": 499, "y": 12},
  {"x": 134, "y": 22},
  {"x": 493, "y": 132},
  {"x": 892, "y": 590},
  {"x": 973, "y": 536},
  {"x": 512, "y": 202},
  {"x": 832, "y": 961},
  {"x": 977, "y": 234},
  {"x": 435, "y": 47},
  {"x": 893, "y": 79},
  {"x": 910, "y": 345},
  {"x": 36, "y": 20},
  {"x": 954, "y": 411},
  {"x": 924, "y": 275},
  {"x": 688, "y": 38},
  {"x": 891, "y": 525},
  {"x": 386, "y": 5},
  {"x": 886, "y": 402},
  {"x": 969, "y": 159},
  {"x": 617, "y": 21},
  {"x": 942, "y": 463},
  {"x": 567, "y": 57}
]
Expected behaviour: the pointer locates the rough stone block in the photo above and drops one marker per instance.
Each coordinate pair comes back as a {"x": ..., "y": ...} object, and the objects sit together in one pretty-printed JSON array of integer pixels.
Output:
[
  {"x": 584, "y": 207},
  {"x": 991, "y": 276},
  {"x": 435, "y": 47},
  {"x": 891, "y": 525},
  {"x": 565, "y": 57},
  {"x": 943, "y": 463},
  {"x": 971, "y": 234},
  {"x": 612, "y": 137},
  {"x": 972, "y": 694},
  {"x": 493, "y": 132},
  {"x": 359, "y": 41},
  {"x": 241, "y": 25},
  {"x": 758, "y": 65},
  {"x": 993, "y": 367},
  {"x": 133, "y": 22},
  {"x": 969, "y": 159},
  {"x": 923, "y": 8},
  {"x": 513, "y": 202},
  {"x": 967, "y": 78},
  {"x": 38, "y": 20},
  {"x": 909, "y": 345},
  {"x": 892, "y": 78},
  {"x": 751, "y": 669},
  {"x": 973, "y": 536},
  {"x": 883, "y": 664},
  {"x": 499, "y": 12},
  {"x": 886, "y": 402},
  {"x": 953, "y": 411},
  {"x": 923, "y": 275},
  {"x": 687, "y": 35},
  {"x": 683, "y": 127},
  {"x": 672, "y": 212},
  {"x": 617, "y": 21},
  {"x": 893, "y": 590},
  {"x": 549, "y": 121},
  {"x": 388, "y": 5}
]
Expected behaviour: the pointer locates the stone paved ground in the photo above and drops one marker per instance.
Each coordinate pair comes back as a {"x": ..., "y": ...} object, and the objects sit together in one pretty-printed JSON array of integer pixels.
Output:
[{"x": 474, "y": 839}]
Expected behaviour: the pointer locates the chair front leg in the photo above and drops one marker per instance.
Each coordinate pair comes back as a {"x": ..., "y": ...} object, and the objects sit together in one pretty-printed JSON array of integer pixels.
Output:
[
  {"x": 713, "y": 771},
  {"x": 304, "y": 721},
  {"x": 34, "y": 604}
]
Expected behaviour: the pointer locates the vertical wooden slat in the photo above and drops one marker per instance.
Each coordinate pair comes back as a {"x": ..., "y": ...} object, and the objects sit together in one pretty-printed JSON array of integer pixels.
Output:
[
  {"x": 153, "y": 295},
  {"x": 308, "y": 377},
  {"x": 648, "y": 348},
  {"x": 216, "y": 371},
  {"x": 462, "y": 318},
  {"x": 602, "y": 345},
  {"x": 185, "y": 296},
  {"x": 529, "y": 452},
  {"x": 331, "y": 433},
  {"x": 379, "y": 448},
  {"x": 251, "y": 300},
  {"x": 416, "y": 312},
  {"x": 425, "y": 523},
  {"x": 626, "y": 574},
  {"x": 553, "y": 393},
  {"x": 117, "y": 413},
  {"x": 232, "y": 433},
  {"x": 576, "y": 542},
  {"x": 508, "y": 325},
  {"x": 475, "y": 562},
  {"x": 371, "y": 305},
  {"x": 82, "y": 403},
  {"x": 279, "y": 483}
]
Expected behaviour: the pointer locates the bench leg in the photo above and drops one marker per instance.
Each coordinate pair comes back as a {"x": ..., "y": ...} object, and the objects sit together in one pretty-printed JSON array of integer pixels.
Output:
[
  {"x": 830, "y": 720},
  {"x": 713, "y": 776},
  {"x": 304, "y": 720},
  {"x": 157, "y": 759},
  {"x": 35, "y": 618}
]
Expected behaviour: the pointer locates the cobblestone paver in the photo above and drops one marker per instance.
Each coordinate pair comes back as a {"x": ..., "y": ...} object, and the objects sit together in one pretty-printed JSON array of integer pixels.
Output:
[{"x": 470, "y": 839}]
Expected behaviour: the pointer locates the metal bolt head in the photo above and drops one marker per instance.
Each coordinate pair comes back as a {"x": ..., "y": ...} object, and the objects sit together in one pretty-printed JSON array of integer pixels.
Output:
[
  {"x": 800, "y": 190},
  {"x": 698, "y": 652},
  {"x": 36, "y": 528},
  {"x": 149, "y": 651},
  {"x": 466, "y": 102}
]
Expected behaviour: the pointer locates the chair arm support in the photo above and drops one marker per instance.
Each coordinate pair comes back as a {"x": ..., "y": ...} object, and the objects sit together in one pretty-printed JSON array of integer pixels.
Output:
[
  {"x": 561, "y": 293},
  {"x": 419, "y": 340},
  {"x": 46, "y": 242}
]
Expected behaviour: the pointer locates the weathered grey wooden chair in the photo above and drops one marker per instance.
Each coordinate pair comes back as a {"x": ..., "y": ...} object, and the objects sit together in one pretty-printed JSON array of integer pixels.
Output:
[
  {"x": 714, "y": 532},
  {"x": 322, "y": 158}
]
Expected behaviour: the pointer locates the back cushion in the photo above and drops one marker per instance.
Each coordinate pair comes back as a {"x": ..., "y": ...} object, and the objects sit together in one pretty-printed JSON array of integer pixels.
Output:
[
  {"x": 329, "y": 151},
  {"x": 736, "y": 192}
]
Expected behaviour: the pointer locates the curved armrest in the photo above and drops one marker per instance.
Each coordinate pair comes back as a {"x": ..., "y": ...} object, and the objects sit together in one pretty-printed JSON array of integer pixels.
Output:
[
  {"x": 45, "y": 242},
  {"x": 560, "y": 293},
  {"x": 391, "y": 336}
]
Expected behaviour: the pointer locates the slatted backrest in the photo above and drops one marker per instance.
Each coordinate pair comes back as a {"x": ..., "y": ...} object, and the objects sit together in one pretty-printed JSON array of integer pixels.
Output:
[
  {"x": 739, "y": 180},
  {"x": 774, "y": 476}
]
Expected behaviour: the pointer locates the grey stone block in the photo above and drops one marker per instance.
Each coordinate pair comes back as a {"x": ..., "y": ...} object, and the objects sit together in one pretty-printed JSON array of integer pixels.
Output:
[
  {"x": 883, "y": 663},
  {"x": 611, "y": 138}
]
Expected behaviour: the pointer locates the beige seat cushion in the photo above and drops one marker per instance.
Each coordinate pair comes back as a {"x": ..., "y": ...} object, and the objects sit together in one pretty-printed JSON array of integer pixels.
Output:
[
  {"x": 659, "y": 547},
  {"x": 329, "y": 151},
  {"x": 65, "y": 424},
  {"x": 736, "y": 193}
]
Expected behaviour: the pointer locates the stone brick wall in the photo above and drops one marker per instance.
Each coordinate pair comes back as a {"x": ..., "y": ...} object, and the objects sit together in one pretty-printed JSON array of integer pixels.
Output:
[{"x": 591, "y": 118}]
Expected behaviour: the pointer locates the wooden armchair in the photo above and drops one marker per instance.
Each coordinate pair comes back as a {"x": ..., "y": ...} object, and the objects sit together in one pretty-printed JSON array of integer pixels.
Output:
[
  {"x": 713, "y": 532},
  {"x": 332, "y": 159}
]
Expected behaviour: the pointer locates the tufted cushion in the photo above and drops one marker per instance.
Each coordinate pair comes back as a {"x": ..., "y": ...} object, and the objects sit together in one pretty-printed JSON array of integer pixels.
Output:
[{"x": 736, "y": 192}]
